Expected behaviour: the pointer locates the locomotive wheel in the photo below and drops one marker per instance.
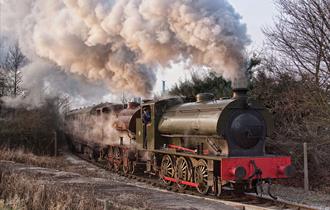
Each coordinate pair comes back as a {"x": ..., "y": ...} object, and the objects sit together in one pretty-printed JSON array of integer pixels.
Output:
[
  {"x": 201, "y": 177},
  {"x": 167, "y": 169},
  {"x": 133, "y": 167},
  {"x": 117, "y": 159},
  {"x": 88, "y": 152},
  {"x": 130, "y": 168},
  {"x": 110, "y": 159},
  {"x": 183, "y": 172},
  {"x": 128, "y": 165}
]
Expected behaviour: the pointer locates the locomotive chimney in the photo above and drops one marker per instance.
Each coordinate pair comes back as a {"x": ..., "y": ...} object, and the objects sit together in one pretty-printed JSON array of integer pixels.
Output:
[{"x": 240, "y": 92}]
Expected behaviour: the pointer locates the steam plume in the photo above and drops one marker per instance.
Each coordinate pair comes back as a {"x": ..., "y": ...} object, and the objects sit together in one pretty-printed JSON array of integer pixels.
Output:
[{"x": 122, "y": 42}]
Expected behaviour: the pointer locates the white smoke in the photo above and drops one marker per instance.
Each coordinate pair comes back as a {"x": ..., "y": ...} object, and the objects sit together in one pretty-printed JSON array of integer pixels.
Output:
[
  {"x": 122, "y": 42},
  {"x": 42, "y": 80}
]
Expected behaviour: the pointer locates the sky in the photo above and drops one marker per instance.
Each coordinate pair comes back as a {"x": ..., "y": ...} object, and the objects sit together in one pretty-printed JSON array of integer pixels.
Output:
[{"x": 256, "y": 14}]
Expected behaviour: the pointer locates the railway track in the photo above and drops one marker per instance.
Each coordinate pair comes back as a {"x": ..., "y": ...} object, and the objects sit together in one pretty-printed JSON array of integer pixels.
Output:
[{"x": 241, "y": 201}]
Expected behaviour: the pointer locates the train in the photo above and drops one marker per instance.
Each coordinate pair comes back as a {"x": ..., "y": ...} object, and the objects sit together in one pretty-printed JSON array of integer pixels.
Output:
[{"x": 209, "y": 145}]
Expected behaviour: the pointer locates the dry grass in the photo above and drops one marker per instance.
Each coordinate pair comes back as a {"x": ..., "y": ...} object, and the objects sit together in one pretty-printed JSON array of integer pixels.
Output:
[
  {"x": 21, "y": 156},
  {"x": 26, "y": 192},
  {"x": 59, "y": 162}
]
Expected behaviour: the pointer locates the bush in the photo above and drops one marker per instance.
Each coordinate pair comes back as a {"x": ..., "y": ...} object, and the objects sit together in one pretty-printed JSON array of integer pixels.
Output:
[
  {"x": 301, "y": 112},
  {"x": 30, "y": 129}
]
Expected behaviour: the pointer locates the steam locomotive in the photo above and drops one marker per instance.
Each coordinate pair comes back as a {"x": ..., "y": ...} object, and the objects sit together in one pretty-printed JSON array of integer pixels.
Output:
[{"x": 208, "y": 144}]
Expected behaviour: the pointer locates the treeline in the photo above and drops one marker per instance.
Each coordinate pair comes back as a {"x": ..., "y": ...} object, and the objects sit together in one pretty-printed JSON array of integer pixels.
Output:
[{"x": 209, "y": 82}]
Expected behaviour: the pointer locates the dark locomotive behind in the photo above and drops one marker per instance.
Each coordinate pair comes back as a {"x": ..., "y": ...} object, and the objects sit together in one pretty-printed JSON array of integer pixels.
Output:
[{"x": 207, "y": 144}]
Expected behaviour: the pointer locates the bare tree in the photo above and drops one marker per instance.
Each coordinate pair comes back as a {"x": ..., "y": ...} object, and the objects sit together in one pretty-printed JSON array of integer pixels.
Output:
[
  {"x": 2, "y": 85},
  {"x": 15, "y": 59},
  {"x": 301, "y": 39},
  {"x": 2, "y": 71}
]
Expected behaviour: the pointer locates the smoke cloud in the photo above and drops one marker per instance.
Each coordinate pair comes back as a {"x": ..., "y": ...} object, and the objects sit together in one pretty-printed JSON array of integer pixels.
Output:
[
  {"x": 42, "y": 80},
  {"x": 123, "y": 42}
]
